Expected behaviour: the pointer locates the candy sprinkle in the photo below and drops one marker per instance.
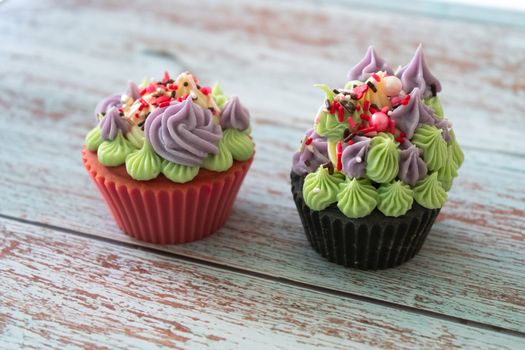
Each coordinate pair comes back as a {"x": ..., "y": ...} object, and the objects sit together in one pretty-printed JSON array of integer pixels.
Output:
[
  {"x": 308, "y": 141},
  {"x": 339, "y": 156}
]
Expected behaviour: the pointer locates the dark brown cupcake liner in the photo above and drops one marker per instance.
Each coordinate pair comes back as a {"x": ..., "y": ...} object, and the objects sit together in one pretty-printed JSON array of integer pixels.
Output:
[{"x": 373, "y": 242}]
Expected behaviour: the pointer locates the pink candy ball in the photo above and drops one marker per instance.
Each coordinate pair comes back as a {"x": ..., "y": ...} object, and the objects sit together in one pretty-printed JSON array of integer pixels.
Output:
[{"x": 380, "y": 121}]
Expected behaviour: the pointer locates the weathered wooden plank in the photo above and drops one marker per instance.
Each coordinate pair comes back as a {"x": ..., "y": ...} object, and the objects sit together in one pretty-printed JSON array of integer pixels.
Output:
[
  {"x": 471, "y": 264},
  {"x": 60, "y": 290}
]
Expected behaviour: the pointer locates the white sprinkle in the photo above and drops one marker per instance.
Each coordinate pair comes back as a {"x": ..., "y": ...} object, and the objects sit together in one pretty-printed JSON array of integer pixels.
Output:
[
  {"x": 358, "y": 159},
  {"x": 316, "y": 190}
]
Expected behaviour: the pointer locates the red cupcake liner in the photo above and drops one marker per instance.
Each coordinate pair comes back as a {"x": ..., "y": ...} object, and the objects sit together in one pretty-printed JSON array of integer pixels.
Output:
[{"x": 163, "y": 212}]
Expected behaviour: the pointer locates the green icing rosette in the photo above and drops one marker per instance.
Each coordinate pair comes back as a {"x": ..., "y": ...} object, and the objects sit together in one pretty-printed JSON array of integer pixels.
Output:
[
  {"x": 457, "y": 153},
  {"x": 221, "y": 161},
  {"x": 320, "y": 188},
  {"x": 219, "y": 96},
  {"x": 394, "y": 199},
  {"x": 135, "y": 136},
  {"x": 449, "y": 171},
  {"x": 143, "y": 164},
  {"x": 93, "y": 139},
  {"x": 328, "y": 126},
  {"x": 113, "y": 153},
  {"x": 179, "y": 173},
  {"x": 383, "y": 158},
  {"x": 429, "y": 139},
  {"x": 357, "y": 198},
  {"x": 435, "y": 104},
  {"x": 238, "y": 143},
  {"x": 429, "y": 193}
]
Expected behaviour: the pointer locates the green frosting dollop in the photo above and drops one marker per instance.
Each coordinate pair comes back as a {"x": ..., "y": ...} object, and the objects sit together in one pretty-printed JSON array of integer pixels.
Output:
[
  {"x": 457, "y": 153},
  {"x": 394, "y": 199},
  {"x": 435, "y": 104},
  {"x": 330, "y": 127},
  {"x": 143, "y": 164},
  {"x": 93, "y": 139},
  {"x": 357, "y": 198},
  {"x": 429, "y": 193},
  {"x": 113, "y": 153},
  {"x": 238, "y": 143},
  {"x": 135, "y": 136},
  {"x": 449, "y": 171},
  {"x": 383, "y": 158},
  {"x": 219, "y": 96},
  {"x": 221, "y": 161},
  {"x": 429, "y": 139},
  {"x": 320, "y": 188},
  {"x": 330, "y": 94},
  {"x": 179, "y": 173}
]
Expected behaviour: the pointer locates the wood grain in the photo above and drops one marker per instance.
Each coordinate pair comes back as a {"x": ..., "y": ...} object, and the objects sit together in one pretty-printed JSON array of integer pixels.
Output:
[
  {"x": 56, "y": 66},
  {"x": 59, "y": 290}
]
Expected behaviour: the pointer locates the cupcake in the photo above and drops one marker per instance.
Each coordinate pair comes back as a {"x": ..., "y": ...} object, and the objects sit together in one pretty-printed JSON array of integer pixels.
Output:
[
  {"x": 372, "y": 174},
  {"x": 169, "y": 157}
]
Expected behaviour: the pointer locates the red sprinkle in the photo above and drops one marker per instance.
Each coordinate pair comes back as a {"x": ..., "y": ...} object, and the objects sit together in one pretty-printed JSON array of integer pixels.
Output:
[
  {"x": 308, "y": 141},
  {"x": 120, "y": 110},
  {"x": 405, "y": 101},
  {"x": 373, "y": 110},
  {"x": 164, "y": 104},
  {"x": 400, "y": 139},
  {"x": 162, "y": 98},
  {"x": 166, "y": 77},
  {"x": 151, "y": 88},
  {"x": 367, "y": 130},
  {"x": 350, "y": 121},
  {"x": 376, "y": 77},
  {"x": 339, "y": 155},
  {"x": 384, "y": 110},
  {"x": 358, "y": 107},
  {"x": 143, "y": 92},
  {"x": 206, "y": 90},
  {"x": 360, "y": 90},
  {"x": 341, "y": 114},
  {"x": 365, "y": 117},
  {"x": 350, "y": 142},
  {"x": 366, "y": 106},
  {"x": 392, "y": 125}
]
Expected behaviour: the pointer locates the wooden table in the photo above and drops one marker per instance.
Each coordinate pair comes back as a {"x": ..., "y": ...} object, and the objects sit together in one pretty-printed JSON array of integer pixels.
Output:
[{"x": 70, "y": 279}]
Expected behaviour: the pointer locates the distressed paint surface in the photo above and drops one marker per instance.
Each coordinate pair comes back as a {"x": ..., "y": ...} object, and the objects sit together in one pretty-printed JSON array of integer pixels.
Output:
[
  {"x": 471, "y": 266},
  {"x": 59, "y": 289}
]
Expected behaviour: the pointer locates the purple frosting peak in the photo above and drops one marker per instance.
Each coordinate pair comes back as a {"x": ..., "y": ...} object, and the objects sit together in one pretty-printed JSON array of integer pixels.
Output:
[
  {"x": 368, "y": 65},
  {"x": 104, "y": 105},
  {"x": 407, "y": 117},
  {"x": 111, "y": 124},
  {"x": 416, "y": 74},
  {"x": 354, "y": 157},
  {"x": 311, "y": 156},
  {"x": 411, "y": 165},
  {"x": 235, "y": 115},
  {"x": 133, "y": 90},
  {"x": 183, "y": 133}
]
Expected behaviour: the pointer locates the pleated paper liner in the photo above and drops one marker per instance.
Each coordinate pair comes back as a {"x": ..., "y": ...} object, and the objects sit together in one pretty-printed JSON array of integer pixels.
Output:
[
  {"x": 163, "y": 212},
  {"x": 374, "y": 242}
]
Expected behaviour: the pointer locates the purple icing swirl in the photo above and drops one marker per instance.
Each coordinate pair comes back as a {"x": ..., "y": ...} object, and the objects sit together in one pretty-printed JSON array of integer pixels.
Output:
[
  {"x": 444, "y": 125},
  {"x": 368, "y": 65},
  {"x": 104, "y": 105},
  {"x": 417, "y": 74},
  {"x": 111, "y": 124},
  {"x": 235, "y": 115},
  {"x": 354, "y": 157},
  {"x": 407, "y": 117},
  {"x": 411, "y": 166},
  {"x": 133, "y": 90},
  {"x": 183, "y": 133},
  {"x": 311, "y": 156}
]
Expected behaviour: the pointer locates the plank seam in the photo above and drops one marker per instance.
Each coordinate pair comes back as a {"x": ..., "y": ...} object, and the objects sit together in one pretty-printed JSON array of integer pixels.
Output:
[{"x": 282, "y": 280}]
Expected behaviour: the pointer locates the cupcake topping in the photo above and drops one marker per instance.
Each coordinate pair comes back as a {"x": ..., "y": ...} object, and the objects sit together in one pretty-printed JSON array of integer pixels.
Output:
[
  {"x": 388, "y": 130},
  {"x": 170, "y": 126}
]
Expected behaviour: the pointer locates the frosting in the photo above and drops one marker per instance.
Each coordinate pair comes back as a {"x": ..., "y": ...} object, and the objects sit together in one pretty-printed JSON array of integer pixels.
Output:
[
  {"x": 171, "y": 126},
  {"x": 354, "y": 157},
  {"x": 111, "y": 124},
  {"x": 104, "y": 105},
  {"x": 221, "y": 161},
  {"x": 114, "y": 152},
  {"x": 383, "y": 139},
  {"x": 357, "y": 198},
  {"x": 234, "y": 115},
  {"x": 417, "y": 74},
  {"x": 429, "y": 193},
  {"x": 411, "y": 167},
  {"x": 320, "y": 189},
  {"x": 312, "y": 154},
  {"x": 183, "y": 133},
  {"x": 179, "y": 173},
  {"x": 407, "y": 117},
  {"x": 143, "y": 164},
  {"x": 394, "y": 199},
  {"x": 429, "y": 139},
  {"x": 368, "y": 65},
  {"x": 383, "y": 159}
]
